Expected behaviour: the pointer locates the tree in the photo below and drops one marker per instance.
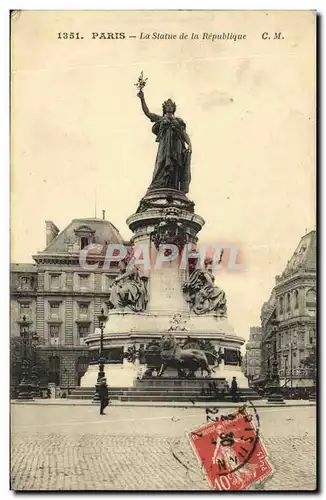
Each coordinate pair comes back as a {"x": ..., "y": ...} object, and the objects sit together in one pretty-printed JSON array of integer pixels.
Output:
[
  {"x": 310, "y": 364},
  {"x": 33, "y": 354}
]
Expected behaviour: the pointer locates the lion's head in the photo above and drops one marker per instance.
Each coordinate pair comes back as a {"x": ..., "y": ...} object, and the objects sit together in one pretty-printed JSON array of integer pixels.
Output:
[{"x": 167, "y": 342}]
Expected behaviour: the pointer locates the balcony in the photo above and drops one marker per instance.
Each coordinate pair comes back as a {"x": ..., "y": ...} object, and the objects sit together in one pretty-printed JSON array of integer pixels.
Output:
[{"x": 54, "y": 341}]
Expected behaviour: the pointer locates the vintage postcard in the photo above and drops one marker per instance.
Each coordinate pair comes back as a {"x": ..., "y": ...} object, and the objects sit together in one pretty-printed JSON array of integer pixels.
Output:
[{"x": 163, "y": 251}]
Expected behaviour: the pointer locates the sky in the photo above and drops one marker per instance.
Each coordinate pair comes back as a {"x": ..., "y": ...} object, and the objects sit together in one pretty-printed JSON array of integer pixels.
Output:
[{"x": 79, "y": 135}]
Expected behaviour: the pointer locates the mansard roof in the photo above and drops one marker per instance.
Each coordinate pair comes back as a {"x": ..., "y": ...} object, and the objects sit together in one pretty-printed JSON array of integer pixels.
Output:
[
  {"x": 101, "y": 232},
  {"x": 268, "y": 308},
  {"x": 304, "y": 257}
]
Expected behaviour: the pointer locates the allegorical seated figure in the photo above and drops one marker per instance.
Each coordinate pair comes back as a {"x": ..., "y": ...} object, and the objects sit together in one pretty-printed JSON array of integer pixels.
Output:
[
  {"x": 129, "y": 290},
  {"x": 172, "y": 166},
  {"x": 202, "y": 294}
]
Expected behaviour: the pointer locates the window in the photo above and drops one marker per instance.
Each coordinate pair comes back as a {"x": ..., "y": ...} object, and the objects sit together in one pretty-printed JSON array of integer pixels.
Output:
[
  {"x": 288, "y": 303},
  {"x": 286, "y": 339},
  {"x": 312, "y": 336},
  {"x": 54, "y": 331},
  {"x": 311, "y": 302},
  {"x": 83, "y": 310},
  {"x": 281, "y": 305},
  {"x": 83, "y": 242},
  {"x": 54, "y": 334},
  {"x": 296, "y": 299},
  {"x": 54, "y": 309},
  {"x": 83, "y": 331},
  {"x": 311, "y": 296},
  {"x": 54, "y": 281},
  {"x": 83, "y": 280},
  {"x": 279, "y": 340},
  {"x": 302, "y": 337},
  {"x": 24, "y": 309}
]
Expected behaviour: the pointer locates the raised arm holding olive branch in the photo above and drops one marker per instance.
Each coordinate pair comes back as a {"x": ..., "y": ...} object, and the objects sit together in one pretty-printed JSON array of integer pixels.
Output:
[{"x": 172, "y": 166}]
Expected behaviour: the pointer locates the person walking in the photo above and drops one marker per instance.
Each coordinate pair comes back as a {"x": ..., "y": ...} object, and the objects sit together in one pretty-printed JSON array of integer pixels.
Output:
[
  {"x": 104, "y": 395},
  {"x": 234, "y": 389}
]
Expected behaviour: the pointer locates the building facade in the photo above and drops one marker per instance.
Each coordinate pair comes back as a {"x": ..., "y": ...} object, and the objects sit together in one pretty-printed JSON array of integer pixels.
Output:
[
  {"x": 60, "y": 299},
  {"x": 253, "y": 354},
  {"x": 289, "y": 317}
]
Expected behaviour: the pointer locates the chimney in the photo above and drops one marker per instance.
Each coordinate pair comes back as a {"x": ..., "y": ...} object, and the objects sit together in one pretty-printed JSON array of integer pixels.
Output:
[
  {"x": 51, "y": 231},
  {"x": 103, "y": 214}
]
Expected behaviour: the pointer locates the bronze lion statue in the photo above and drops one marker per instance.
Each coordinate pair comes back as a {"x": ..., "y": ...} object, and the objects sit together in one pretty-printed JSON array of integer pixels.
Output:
[{"x": 183, "y": 359}]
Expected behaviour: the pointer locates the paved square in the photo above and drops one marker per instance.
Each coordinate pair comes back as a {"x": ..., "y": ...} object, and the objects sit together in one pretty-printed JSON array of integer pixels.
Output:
[{"x": 143, "y": 448}]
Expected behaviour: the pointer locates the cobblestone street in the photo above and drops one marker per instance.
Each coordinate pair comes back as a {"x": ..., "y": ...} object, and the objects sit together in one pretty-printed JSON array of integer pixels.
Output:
[{"x": 74, "y": 448}]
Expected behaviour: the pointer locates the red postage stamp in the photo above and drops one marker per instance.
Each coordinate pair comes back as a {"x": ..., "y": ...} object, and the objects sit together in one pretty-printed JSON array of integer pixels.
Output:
[{"x": 231, "y": 451}]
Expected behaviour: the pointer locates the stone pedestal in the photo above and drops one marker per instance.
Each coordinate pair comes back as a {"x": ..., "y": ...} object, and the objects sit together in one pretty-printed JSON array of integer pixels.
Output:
[
  {"x": 228, "y": 372},
  {"x": 117, "y": 375}
]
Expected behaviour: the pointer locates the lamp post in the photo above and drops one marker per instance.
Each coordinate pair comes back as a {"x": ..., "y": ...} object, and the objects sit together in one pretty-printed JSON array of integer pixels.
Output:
[
  {"x": 275, "y": 395},
  {"x": 35, "y": 383},
  {"x": 102, "y": 319},
  {"x": 285, "y": 370},
  {"x": 66, "y": 371},
  {"x": 313, "y": 396},
  {"x": 25, "y": 383},
  {"x": 268, "y": 371},
  {"x": 291, "y": 364}
]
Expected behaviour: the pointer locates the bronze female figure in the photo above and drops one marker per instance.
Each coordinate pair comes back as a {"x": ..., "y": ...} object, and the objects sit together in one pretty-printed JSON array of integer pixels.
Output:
[{"x": 172, "y": 166}]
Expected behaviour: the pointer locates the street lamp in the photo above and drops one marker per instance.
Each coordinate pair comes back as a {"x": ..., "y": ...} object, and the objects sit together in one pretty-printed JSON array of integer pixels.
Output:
[
  {"x": 102, "y": 319},
  {"x": 313, "y": 396},
  {"x": 25, "y": 384},
  {"x": 268, "y": 371},
  {"x": 66, "y": 371},
  {"x": 286, "y": 363},
  {"x": 35, "y": 383},
  {"x": 275, "y": 395}
]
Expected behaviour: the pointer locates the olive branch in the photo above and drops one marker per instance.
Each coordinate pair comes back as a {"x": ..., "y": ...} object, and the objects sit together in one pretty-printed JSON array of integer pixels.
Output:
[{"x": 141, "y": 82}]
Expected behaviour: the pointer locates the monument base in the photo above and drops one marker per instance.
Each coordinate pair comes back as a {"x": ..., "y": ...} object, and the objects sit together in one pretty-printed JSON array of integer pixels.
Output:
[
  {"x": 170, "y": 389},
  {"x": 124, "y": 375},
  {"x": 117, "y": 375},
  {"x": 228, "y": 372}
]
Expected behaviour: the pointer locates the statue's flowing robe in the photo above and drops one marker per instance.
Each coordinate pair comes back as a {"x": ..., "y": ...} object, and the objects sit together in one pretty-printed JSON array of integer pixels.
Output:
[
  {"x": 204, "y": 295},
  {"x": 129, "y": 292},
  {"x": 172, "y": 166}
]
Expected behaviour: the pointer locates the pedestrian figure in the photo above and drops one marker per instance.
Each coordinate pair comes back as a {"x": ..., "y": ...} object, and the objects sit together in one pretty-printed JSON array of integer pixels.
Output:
[
  {"x": 48, "y": 393},
  {"x": 234, "y": 389},
  {"x": 104, "y": 395}
]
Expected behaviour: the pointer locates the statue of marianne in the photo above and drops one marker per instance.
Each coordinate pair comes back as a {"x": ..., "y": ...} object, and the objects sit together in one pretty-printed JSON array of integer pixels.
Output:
[{"x": 172, "y": 166}]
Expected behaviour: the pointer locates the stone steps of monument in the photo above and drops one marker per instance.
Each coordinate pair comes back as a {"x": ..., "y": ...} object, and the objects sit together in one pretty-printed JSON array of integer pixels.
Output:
[
  {"x": 138, "y": 394},
  {"x": 167, "y": 392},
  {"x": 180, "y": 398},
  {"x": 180, "y": 390},
  {"x": 177, "y": 381},
  {"x": 144, "y": 390},
  {"x": 145, "y": 393}
]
